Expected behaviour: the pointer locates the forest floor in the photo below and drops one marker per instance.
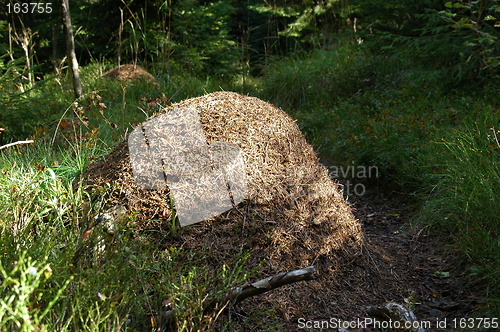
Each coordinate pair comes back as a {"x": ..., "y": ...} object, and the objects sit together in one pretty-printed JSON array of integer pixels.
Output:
[
  {"x": 417, "y": 268},
  {"x": 404, "y": 263}
]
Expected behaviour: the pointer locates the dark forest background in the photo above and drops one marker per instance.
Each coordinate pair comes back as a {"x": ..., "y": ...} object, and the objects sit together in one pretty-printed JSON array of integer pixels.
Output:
[{"x": 227, "y": 38}]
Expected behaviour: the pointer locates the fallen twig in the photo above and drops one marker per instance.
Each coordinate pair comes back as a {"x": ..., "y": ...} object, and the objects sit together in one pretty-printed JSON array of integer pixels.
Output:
[
  {"x": 16, "y": 143},
  {"x": 238, "y": 294}
]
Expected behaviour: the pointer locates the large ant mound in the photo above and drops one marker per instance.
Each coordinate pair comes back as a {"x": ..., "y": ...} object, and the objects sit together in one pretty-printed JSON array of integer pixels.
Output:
[
  {"x": 293, "y": 216},
  {"x": 130, "y": 73}
]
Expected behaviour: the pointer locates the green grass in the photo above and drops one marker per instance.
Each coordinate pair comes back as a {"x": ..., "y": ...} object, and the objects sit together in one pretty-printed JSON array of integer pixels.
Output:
[
  {"x": 54, "y": 279},
  {"x": 316, "y": 79},
  {"x": 464, "y": 203}
]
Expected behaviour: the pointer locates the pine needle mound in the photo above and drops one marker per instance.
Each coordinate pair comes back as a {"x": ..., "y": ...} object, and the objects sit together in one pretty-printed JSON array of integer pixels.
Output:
[
  {"x": 129, "y": 73},
  {"x": 293, "y": 216}
]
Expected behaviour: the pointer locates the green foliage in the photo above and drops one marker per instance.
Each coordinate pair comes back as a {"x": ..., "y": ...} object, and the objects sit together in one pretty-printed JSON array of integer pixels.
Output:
[
  {"x": 200, "y": 37},
  {"x": 461, "y": 39},
  {"x": 479, "y": 21},
  {"x": 306, "y": 23},
  {"x": 399, "y": 17},
  {"x": 186, "y": 291},
  {"x": 193, "y": 35},
  {"x": 458, "y": 38},
  {"x": 219, "y": 38}
]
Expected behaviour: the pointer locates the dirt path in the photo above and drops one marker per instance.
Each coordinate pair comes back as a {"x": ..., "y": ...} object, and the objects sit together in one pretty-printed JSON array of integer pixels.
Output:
[{"x": 415, "y": 268}]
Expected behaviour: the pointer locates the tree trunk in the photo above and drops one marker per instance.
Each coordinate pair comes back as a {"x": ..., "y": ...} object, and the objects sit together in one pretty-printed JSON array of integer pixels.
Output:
[{"x": 70, "y": 50}]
